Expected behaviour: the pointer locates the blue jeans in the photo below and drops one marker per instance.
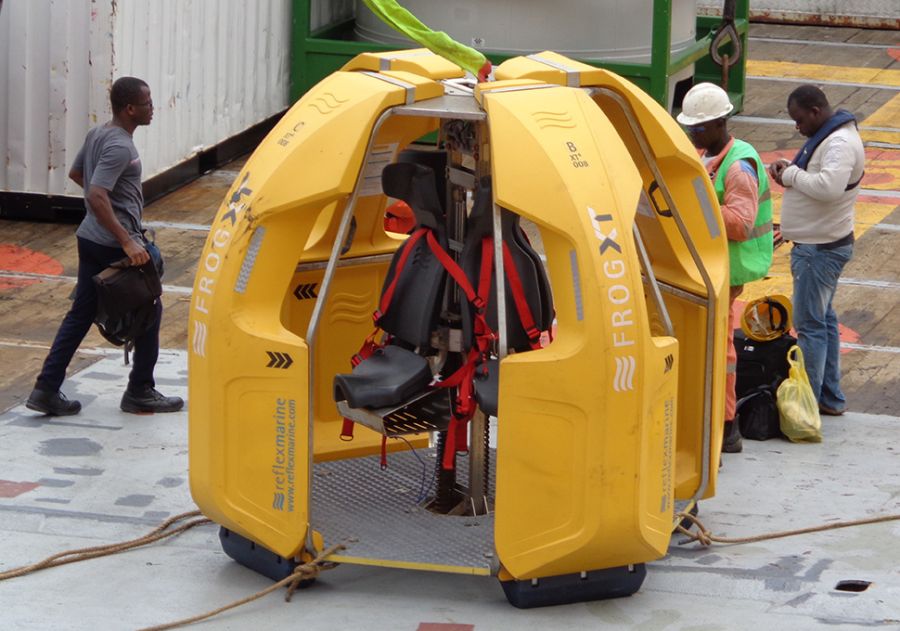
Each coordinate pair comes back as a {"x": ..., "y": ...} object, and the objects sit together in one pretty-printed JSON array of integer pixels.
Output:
[
  {"x": 816, "y": 272},
  {"x": 93, "y": 258}
]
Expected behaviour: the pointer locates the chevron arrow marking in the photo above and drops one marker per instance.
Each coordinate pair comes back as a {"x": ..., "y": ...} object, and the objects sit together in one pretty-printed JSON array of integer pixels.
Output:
[
  {"x": 306, "y": 291},
  {"x": 279, "y": 360}
]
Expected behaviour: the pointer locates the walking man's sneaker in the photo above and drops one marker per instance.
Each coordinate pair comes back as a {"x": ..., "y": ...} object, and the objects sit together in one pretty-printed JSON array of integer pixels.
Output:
[
  {"x": 52, "y": 403},
  {"x": 827, "y": 411},
  {"x": 732, "y": 443},
  {"x": 148, "y": 401}
]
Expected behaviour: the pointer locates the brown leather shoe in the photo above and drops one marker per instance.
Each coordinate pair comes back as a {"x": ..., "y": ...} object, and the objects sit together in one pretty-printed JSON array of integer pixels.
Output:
[{"x": 827, "y": 411}]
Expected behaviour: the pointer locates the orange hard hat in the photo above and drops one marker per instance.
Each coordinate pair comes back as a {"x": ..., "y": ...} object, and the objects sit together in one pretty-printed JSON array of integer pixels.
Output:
[{"x": 399, "y": 218}]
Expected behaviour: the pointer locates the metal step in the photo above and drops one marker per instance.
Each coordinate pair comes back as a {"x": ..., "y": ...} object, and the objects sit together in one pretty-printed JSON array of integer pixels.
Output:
[{"x": 426, "y": 412}]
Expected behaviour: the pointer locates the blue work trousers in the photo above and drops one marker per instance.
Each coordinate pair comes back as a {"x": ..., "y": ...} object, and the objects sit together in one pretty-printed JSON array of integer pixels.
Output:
[
  {"x": 92, "y": 259},
  {"x": 816, "y": 270}
]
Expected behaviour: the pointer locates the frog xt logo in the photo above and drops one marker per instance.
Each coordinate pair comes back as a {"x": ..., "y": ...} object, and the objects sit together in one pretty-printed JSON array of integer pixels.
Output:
[
  {"x": 606, "y": 240},
  {"x": 235, "y": 206}
]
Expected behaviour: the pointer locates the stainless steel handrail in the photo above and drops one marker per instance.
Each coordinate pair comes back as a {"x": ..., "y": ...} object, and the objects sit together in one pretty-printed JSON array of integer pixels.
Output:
[
  {"x": 319, "y": 307},
  {"x": 651, "y": 280}
]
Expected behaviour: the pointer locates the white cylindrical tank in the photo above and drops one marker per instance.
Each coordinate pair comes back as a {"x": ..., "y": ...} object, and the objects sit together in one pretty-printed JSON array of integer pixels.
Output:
[
  {"x": 215, "y": 68},
  {"x": 611, "y": 30}
]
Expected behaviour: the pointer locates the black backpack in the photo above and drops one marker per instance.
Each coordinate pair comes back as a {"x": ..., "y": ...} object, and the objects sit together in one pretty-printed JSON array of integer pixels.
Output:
[
  {"x": 127, "y": 298},
  {"x": 761, "y": 367}
]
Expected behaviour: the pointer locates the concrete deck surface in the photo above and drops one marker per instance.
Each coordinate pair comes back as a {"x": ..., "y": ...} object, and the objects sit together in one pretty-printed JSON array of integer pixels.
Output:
[{"x": 104, "y": 476}]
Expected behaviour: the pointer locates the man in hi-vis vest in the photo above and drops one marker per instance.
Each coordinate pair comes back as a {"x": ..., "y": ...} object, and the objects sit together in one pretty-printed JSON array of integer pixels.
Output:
[{"x": 742, "y": 188}]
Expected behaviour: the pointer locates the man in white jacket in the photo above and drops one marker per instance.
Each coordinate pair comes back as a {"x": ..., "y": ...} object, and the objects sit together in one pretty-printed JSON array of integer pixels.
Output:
[{"x": 821, "y": 186}]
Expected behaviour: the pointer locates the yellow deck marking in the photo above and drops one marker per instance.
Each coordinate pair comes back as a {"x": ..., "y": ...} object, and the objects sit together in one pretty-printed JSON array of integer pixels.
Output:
[
  {"x": 888, "y": 115},
  {"x": 781, "y": 69},
  {"x": 889, "y": 137}
]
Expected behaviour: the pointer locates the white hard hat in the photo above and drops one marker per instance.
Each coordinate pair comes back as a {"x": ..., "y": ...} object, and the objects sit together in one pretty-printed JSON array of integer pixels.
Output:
[{"x": 704, "y": 102}]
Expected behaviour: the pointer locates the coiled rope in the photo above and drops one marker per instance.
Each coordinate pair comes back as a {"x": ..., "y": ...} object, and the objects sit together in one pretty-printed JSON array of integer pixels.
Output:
[
  {"x": 305, "y": 572},
  {"x": 705, "y": 538},
  {"x": 301, "y": 573},
  {"x": 162, "y": 531},
  {"x": 312, "y": 569}
]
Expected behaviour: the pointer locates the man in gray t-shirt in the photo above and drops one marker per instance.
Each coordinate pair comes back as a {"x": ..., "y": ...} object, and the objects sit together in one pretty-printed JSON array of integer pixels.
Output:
[
  {"x": 110, "y": 160},
  {"x": 108, "y": 168}
]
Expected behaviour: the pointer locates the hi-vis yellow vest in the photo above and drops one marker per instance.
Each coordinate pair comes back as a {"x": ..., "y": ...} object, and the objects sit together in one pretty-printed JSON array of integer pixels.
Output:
[{"x": 750, "y": 259}]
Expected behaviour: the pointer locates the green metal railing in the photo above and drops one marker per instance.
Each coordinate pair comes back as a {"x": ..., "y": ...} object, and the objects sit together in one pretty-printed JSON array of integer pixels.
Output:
[{"x": 314, "y": 55}]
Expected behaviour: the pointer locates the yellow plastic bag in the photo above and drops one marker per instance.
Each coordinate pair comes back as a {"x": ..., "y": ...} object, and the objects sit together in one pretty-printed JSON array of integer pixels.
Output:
[{"x": 798, "y": 410}]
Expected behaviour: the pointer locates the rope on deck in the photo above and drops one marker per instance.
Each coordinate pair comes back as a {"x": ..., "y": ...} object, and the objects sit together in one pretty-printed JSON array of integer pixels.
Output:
[
  {"x": 706, "y": 538},
  {"x": 304, "y": 572},
  {"x": 162, "y": 531}
]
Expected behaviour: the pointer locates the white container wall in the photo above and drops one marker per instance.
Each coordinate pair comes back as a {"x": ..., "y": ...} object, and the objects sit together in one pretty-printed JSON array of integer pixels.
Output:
[
  {"x": 215, "y": 68},
  {"x": 864, "y": 13}
]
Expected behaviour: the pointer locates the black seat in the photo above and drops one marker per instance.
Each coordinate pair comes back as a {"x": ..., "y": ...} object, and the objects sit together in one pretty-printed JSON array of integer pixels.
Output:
[
  {"x": 415, "y": 306},
  {"x": 396, "y": 372},
  {"x": 390, "y": 375},
  {"x": 531, "y": 273},
  {"x": 535, "y": 285}
]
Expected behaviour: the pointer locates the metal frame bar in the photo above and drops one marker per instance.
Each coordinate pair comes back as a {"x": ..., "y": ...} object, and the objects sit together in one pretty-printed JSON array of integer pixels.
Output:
[
  {"x": 356, "y": 261},
  {"x": 695, "y": 255},
  {"x": 500, "y": 279},
  {"x": 654, "y": 285},
  {"x": 319, "y": 307}
]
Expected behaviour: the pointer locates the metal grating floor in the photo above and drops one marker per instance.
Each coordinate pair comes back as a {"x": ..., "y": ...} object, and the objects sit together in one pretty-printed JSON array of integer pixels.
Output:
[{"x": 376, "y": 514}]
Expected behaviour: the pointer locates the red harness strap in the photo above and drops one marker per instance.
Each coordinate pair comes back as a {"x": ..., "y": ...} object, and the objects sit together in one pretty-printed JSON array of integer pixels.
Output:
[
  {"x": 464, "y": 377},
  {"x": 518, "y": 292},
  {"x": 368, "y": 347},
  {"x": 408, "y": 247},
  {"x": 456, "y": 272}
]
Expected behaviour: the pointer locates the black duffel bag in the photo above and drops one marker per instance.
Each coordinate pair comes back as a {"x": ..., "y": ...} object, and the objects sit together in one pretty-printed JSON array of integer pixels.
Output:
[
  {"x": 757, "y": 414},
  {"x": 761, "y": 367}
]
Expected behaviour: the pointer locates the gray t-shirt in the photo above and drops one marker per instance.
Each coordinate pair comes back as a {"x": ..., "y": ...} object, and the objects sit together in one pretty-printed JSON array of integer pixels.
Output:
[{"x": 110, "y": 160}]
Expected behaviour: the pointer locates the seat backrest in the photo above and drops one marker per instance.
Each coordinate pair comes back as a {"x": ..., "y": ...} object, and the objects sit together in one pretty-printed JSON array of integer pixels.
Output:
[
  {"x": 437, "y": 160},
  {"x": 528, "y": 266},
  {"x": 415, "y": 184},
  {"x": 413, "y": 311}
]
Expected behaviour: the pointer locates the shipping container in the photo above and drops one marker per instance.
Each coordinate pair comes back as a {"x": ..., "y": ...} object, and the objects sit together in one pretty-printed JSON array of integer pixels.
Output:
[{"x": 216, "y": 69}]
